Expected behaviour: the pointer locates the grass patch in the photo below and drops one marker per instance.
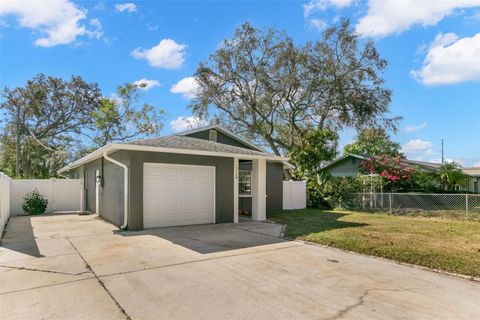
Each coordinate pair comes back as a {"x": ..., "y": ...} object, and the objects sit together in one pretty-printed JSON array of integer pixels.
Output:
[{"x": 447, "y": 244}]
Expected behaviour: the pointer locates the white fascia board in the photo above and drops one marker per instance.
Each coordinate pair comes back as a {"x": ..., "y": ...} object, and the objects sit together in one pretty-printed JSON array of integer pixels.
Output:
[
  {"x": 89, "y": 157},
  {"x": 132, "y": 147},
  {"x": 288, "y": 165}
]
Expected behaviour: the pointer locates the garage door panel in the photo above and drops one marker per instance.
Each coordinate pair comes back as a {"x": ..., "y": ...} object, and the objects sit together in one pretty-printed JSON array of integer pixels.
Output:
[{"x": 178, "y": 195}]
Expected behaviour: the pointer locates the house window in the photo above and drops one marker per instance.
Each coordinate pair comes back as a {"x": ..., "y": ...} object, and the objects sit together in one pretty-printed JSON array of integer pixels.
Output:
[
  {"x": 457, "y": 187},
  {"x": 475, "y": 186},
  {"x": 245, "y": 182},
  {"x": 212, "y": 135}
]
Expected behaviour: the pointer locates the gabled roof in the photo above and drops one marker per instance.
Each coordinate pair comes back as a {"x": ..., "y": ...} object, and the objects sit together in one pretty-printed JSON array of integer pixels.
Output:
[
  {"x": 433, "y": 166},
  {"x": 224, "y": 131},
  {"x": 179, "y": 145},
  {"x": 188, "y": 143},
  {"x": 335, "y": 161},
  {"x": 473, "y": 172}
]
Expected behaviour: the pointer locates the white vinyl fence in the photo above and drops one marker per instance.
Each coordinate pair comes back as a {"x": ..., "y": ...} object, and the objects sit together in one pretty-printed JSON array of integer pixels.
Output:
[
  {"x": 62, "y": 194},
  {"x": 294, "y": 195},
  {"x": 4, "y": 201}
]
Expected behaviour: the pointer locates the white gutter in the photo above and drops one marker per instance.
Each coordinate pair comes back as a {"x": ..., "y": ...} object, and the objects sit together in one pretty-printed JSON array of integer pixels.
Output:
[
  {"x": 120, "y": 146},
  {"x": 63, "y": 176},
  {"x": 125, "y": 190}
]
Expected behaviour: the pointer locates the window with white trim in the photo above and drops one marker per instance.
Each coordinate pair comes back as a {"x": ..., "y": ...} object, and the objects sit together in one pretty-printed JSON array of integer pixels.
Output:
[{"x": 245, "y": 182}]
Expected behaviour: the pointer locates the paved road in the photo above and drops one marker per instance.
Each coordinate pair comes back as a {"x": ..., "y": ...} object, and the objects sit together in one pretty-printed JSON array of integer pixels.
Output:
[{"x": 80, "y": 267}]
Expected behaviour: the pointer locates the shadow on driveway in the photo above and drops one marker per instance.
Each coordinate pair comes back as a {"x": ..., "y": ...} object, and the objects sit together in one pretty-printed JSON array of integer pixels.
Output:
[
  {"x": 214, "y": 238},
  {"x": 19, "y": 236}
]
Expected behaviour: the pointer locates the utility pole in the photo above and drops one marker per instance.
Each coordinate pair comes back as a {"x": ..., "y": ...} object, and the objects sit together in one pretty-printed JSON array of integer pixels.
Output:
[
  {"x": 442, "y": 152},
  {"x": 17, "y": 142}
]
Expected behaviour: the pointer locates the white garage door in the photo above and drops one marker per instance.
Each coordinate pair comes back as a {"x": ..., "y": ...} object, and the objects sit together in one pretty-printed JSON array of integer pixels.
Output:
[{"x": 176, "y": 195}]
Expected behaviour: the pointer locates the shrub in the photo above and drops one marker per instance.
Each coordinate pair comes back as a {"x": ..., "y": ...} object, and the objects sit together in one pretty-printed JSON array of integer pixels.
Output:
[
  {"x": 34, "y": 203},
  {"x": 337, "y": 191},
  {"x": 394, "y": 171}
]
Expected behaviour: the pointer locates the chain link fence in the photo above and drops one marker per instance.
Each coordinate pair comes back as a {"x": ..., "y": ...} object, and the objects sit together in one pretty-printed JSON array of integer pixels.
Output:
[{"x": 455, "y": 205}]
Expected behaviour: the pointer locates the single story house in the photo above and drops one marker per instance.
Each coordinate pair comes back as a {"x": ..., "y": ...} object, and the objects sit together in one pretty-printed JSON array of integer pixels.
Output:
[
  {"x": 206, "y": 175},
  {"x": 473, "y": 180},
  {"x": 349, "y": 166}
]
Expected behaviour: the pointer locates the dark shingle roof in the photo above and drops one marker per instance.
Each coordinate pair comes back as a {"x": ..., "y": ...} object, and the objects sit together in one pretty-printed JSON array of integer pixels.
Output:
[{"x": 188, "y": 143}]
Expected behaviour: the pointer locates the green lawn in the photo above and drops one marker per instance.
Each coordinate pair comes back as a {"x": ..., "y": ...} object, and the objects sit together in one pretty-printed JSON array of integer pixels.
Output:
[{"x": 448, "y": 244}]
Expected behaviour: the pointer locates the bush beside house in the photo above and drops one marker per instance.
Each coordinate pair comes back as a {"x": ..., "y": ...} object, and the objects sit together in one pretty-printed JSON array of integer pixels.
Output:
[{"x": 35, "y": 203}]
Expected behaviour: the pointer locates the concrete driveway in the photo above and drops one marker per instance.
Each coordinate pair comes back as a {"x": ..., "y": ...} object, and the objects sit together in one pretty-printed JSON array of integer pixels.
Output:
[{"x": 80, "y": 267}]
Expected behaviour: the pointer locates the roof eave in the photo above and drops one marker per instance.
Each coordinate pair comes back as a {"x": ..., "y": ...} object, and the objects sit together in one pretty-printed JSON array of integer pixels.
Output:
[{"x": 132, "y": 147}]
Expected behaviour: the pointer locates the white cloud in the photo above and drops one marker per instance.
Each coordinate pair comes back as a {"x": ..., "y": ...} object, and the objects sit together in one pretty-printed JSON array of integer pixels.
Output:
[
  {"x": 152, "y": 26},
  {"x": 439, "y": 160},
  {"x": 56, "y": 23},
  {"x": 416, "y": 146},
  {"x": 450, "y": 60},
  {"x": 321, "y": 5},
  {"x": 99, "y": 6},
  {"x": 409, "y": 128},
  {"x": 429, "y": 152},
  {"x": 128, "y": 6},
  {"x": 187, "y": 87},
  {"x": 387, "y": 17},
  {"x": 146, "y": 84},
  {"x": 187, "y": 123},
  {"x": 476, "y": 164},
  {"x": 167, "y": 54},
  {"x": 318, "y": 24},
  {"x": 97, "y": 31}
]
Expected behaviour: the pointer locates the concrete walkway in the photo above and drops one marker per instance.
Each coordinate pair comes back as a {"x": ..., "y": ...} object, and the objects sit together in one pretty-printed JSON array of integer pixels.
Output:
[{"x": 80, "y": 267}]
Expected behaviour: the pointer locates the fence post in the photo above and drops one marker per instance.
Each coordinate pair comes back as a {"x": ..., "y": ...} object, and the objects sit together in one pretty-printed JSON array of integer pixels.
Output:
[
  {"x": 390, "y": 201},
  {"x": 466, "y": 205}
]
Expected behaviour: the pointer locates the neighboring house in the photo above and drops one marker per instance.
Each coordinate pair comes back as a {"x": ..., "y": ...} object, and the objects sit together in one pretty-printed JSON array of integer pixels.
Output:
[
  {"x": 349, "y": 166},
  {"x": 195, "y": 177},
  {"x": 473, "y": 178},
  {"x": 345, "y": 166}
]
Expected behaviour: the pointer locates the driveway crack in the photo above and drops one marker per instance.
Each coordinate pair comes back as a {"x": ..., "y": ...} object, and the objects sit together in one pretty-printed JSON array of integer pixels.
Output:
[
  {"x": 100, "y": 281},
  {"x": 42, "y": 270},
  {"x": 351, "y": 307},
  {"x": 361, "y": 300}
]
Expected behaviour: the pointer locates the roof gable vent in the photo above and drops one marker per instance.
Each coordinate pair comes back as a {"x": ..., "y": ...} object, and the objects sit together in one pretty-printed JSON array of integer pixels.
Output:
[{"x": 212, "y": 135}]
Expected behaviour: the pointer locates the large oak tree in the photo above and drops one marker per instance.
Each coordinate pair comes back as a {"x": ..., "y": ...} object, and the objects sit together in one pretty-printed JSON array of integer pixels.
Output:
[{"x": 274, "y": 91}]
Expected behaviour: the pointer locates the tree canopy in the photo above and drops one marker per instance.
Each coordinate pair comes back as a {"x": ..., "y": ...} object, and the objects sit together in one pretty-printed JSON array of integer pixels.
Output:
[
  {"x": 51, "y": 121},
  {"x": 121, "y": 118},
  {"x": 263, "y": 85},
  {"x": 374, "y": 142},
  {"x": 450, "y": 174}
]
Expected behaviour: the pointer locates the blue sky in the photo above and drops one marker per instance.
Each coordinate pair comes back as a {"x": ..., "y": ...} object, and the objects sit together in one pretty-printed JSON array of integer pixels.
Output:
[{"x": 433, "y": 49}]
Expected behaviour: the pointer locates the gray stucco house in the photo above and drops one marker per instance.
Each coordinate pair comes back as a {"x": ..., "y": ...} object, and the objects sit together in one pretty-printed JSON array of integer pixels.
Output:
[{"x": 206, "y": 175}]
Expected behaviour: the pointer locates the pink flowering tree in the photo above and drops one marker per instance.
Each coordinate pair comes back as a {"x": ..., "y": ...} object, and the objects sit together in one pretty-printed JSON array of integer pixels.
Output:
[{"x": 396, "y": 174}]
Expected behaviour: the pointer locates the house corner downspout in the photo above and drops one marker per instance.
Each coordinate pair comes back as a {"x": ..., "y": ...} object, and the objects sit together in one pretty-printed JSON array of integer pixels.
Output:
[{"x": 125, "y": 191}]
